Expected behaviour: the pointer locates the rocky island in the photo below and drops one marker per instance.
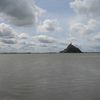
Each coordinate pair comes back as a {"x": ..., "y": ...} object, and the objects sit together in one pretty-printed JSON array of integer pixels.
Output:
[{"x": 71, "y": 49}]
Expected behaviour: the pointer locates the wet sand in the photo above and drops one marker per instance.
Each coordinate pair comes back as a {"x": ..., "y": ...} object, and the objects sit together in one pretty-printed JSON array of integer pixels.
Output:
[{"x": 50, "y": 76}]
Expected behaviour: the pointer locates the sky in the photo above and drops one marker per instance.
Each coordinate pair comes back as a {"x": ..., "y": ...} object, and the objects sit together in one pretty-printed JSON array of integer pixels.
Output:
[{"x": 49, "y": 25}]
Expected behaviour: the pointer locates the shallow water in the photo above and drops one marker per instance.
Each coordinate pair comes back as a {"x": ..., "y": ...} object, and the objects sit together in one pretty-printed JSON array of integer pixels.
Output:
[{"x": 50, "y": 76}]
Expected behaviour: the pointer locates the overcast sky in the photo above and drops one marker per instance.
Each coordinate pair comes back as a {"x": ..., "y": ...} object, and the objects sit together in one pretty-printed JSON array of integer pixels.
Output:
[{"x": 49, "y": 25}]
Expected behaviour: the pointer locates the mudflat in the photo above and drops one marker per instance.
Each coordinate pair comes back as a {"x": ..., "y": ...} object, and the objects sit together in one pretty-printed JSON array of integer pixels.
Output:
[{"x": 50, "y": 76}]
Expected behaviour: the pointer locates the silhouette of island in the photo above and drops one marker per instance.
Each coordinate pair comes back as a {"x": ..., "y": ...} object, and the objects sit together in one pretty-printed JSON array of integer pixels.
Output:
[{"x": 71, "y": 49}]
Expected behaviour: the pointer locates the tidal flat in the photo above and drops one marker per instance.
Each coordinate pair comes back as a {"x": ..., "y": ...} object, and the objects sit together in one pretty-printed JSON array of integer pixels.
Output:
[{"x": 50, "y": 76}]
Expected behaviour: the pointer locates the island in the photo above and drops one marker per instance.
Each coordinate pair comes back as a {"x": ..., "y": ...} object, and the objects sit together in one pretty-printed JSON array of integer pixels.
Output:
[{"x": 71, "y": 49}]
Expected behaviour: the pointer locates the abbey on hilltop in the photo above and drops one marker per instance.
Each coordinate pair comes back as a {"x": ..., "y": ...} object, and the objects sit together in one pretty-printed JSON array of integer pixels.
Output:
[{"x": 71, "y": 49}]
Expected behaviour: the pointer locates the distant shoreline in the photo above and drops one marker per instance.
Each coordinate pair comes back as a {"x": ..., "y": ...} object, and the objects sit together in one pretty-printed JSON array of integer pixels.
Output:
[{"x": 45, "y": 53}]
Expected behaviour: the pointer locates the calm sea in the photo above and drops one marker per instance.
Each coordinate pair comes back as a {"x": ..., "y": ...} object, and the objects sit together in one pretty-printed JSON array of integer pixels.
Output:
[{"x": 50, "y": 76}]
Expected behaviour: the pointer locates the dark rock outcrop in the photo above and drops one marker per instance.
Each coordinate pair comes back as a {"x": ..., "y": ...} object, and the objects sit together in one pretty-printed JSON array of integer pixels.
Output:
[{"x": 71, "y": 49}]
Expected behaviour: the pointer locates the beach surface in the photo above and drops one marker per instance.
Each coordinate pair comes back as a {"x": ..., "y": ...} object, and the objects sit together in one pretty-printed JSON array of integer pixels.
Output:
[{"x": 50, "y": 76}]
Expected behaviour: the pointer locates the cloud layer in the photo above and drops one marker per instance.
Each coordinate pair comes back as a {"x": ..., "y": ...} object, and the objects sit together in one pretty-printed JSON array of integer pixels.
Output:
[
  {"x": 6, "y": 31},
  {"x": 86, "y": 7},
  {"x": 10, "y": 41},
  {"x": 19, "y": 12},
  {"x": 88, "y": 24},
  {"x": 44, "y": 39},
  {"x": 84, "y": 25},
  {"x": 80, "y": 28},
  {"x": 49, "y": 26},
  {"x": 86, "y": 19}
]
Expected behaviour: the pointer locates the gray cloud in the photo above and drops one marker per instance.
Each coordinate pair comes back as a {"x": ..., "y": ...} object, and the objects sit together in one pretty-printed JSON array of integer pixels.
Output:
[
  {"x": 84, "y": 28},
  {"x": 6, "y": 31},
  {"x": 24, "y": 36},
  {"x": 85, "y": 22},
  {"x": 96, "y": 38},
  {"x": 49, "y": 26},
  {"x": 44, "y": 39},
  {"x": 86, "y": 7},
  {"x": 19, "y": 12},
  {"x": 9, "y": 41}
]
